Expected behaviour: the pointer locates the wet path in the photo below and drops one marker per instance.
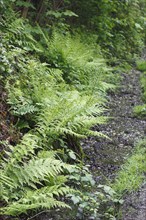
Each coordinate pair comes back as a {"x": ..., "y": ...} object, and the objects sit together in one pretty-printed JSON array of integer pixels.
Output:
[
  {"x": 135, "y": 205},
  {"x": 124, "y": 130}
]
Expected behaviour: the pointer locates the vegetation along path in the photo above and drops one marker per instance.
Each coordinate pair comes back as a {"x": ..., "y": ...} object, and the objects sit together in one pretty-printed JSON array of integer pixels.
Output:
[
  {"x": 61, "y": 62},
  {"x": 124, "y": 129}
]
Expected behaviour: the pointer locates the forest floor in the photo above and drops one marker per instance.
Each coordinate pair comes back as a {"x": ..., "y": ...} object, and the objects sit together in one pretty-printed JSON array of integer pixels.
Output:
[{"x": 125, "y": 130}]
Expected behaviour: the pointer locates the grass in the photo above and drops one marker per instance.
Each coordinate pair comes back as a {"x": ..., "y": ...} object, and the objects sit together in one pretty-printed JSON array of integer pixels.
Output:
[
  {"x": 141, "y": 65},
  {"x": 140, "y": 111},
  {"x": 131, "y": 175},
  {"x": 143, "y": 85}
]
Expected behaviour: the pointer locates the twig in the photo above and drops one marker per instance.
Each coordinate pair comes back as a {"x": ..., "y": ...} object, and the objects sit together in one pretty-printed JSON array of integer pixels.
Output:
[{"x": 37, "y": 214}]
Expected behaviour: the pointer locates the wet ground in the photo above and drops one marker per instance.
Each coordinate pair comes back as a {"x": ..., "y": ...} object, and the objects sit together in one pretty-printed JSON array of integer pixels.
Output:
[
  {"x": 106, "y": 156},
  {"x": 124, "y": 129},
  {"x": 134, "y": 207}
]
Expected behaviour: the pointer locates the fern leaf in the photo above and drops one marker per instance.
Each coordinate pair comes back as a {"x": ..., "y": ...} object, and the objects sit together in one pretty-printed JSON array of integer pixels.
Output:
[
  {"x": 26, "y": 148},
  {"x": 16, "y": 208}
]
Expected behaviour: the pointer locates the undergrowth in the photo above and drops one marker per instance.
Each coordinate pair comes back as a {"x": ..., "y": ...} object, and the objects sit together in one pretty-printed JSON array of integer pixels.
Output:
[
  {"x": 56, "y": 89},
  {"x": 30, "y": 180}
]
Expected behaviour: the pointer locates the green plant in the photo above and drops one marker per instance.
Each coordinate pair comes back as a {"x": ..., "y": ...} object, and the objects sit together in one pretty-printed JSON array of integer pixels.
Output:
[
  {"x": 30, "y": 180},
  {"x": 132, "y": 172},
  {"x": 119, "y": 33},
  {"x": 80, "y": 65},
  {"x": 49, "y": 112},
  {"x": 56, "y": 85},
  {"x": 102, "y": 203},
  {"x": 140, "y": 111},
  {"x": 143, "y": 85},
  {"x": 39, "y": 89},
  {"x": 141, "y": 65}
]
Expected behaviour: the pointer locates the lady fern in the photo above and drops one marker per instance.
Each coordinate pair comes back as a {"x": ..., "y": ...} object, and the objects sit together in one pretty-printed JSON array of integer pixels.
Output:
[
  {"x": 81, "y": 66},
  {"x": 72, "y": 114},
  {"x": 30, "y": 180}
]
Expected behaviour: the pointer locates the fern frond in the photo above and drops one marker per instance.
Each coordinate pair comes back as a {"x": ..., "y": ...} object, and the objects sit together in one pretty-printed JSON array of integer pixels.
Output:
[
  {"x": 88, "y": 121},
  {"x": 50, "y": 191},
  {"x": 23, "y": 150},
  {"x": 25, "y": 179},
  {"x": 24, "y": 205},
  {"x": 35, "y": 171},
  {"x": 65, "y": 131},
  {"x": 96, "y": 133},
  {"x": 6, "y": 180}
]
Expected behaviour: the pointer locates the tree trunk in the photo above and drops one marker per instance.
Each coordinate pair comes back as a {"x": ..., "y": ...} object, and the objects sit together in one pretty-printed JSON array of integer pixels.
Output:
[
  {"x": 39, "y": 10},
  {"x": 25, "y": 10}
]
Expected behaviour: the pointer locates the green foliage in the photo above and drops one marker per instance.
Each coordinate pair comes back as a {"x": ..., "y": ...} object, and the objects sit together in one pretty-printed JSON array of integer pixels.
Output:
[
  {"x": 40, "y": 89},
  {"x": 131, "y": 175},
  {"x": 141, "y": 65},
  {"x": 94, "y": 201},
  {"x": 57, "y": 111},
  {"x": 140, "y": 111},
  {"x": 119, "y": 26},
  {"x": 143, "y": 85},
  {"x": 30, "y": 180},
  {"x": 56, "y": 86},
  {"x": 81, "y": 66},
  {"x": 54, "y": 97}
]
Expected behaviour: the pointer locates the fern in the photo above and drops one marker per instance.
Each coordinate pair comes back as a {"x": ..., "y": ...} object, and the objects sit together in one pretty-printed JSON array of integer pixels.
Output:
[
  {"x": 36, "y": 169},
  {"x": 31, "y": 181},
  {"x": 17, "y": 208},
  {"x": 34, "y": 200},
  {"x": 59, "y": 109},
  {"x": 32, "y": 175},
  {"x": 26, "y": 149},
  {"x": 71, "y": 114},
  {"x": 80, "y": 65}
]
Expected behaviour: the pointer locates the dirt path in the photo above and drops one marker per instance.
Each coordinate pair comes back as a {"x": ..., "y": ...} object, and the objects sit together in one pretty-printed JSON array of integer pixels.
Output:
[
  {"x": 135, "y": 205},
  {"x": 124, "y": 130}
]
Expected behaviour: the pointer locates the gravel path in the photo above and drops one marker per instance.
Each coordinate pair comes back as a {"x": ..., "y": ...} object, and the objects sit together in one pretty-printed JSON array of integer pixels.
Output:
[
  {"x": 135, "y": 205},
  {"x": 124, "y": 129}
]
